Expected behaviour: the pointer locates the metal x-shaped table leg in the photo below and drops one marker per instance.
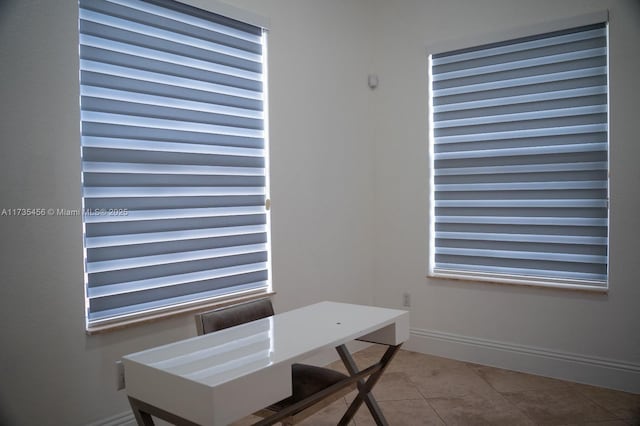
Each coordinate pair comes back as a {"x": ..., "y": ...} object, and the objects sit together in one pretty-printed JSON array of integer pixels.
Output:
[{"x": 365, "y": 387}]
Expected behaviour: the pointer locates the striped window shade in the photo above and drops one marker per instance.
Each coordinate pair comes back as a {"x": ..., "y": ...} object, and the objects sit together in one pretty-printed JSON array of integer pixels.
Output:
[
  {"x": 520, "y": 160},
  {"x": 173, "y": 157}
]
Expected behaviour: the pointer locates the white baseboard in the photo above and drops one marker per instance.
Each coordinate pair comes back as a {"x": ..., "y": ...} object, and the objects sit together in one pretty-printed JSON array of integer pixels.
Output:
[{"x": 573, "y": 367}]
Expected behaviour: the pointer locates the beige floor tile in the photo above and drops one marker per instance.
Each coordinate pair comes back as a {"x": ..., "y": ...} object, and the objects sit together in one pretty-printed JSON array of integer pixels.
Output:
[
  {"x": 415, "y": 412},
  {"x": 369, "y": 356},
  {"x": 392, "y": 386},
  {"x": 405, "y": 361},
  {"x": 338, "y": 366},
  {"x": 478, "y": 409},
  {"x": 363, "y": 358},
  {"x": 513, "y": 381},
  {"x": 329, "y": 416},
  {"x": 624, "y": 405},
  {"x": 416, "y": 363},
  {"x": 558, "y": 406},
  {"x": 374, "y": 350},
  {"x": 450, "y": 382},
  {"x": 419, "y": 389}
]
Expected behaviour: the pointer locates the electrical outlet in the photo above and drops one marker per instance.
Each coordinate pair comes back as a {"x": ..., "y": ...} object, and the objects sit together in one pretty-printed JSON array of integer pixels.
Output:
[
  {"x": 406, "y": 299},
  {"x": 119, "y": 375}
]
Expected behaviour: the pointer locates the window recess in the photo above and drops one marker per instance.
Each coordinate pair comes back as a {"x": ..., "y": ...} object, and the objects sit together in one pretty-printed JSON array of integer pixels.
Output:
[
  {"x": 519, "y": 150},
  {"x": 174, "y": 169}
]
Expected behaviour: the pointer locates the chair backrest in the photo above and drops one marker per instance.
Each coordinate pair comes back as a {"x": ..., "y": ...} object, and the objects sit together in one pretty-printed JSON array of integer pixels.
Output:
[{"x": 228, "y": 316}]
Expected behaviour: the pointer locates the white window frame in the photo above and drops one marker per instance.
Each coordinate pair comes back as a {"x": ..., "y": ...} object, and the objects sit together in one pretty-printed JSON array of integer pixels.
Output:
[{"x": 478, "y": 41}]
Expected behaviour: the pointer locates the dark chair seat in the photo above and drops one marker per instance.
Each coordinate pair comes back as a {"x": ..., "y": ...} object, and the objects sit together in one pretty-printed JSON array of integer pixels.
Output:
[{"x": 308, "y": 380}]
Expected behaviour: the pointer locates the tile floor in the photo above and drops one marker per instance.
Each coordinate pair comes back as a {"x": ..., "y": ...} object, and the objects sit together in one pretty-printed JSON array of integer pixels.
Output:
[{"x": 420, "y": 389}]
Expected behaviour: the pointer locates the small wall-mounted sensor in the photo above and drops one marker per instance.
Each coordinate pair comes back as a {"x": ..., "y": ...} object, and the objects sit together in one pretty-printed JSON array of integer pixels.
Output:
[{"x": 372, "y": 81}]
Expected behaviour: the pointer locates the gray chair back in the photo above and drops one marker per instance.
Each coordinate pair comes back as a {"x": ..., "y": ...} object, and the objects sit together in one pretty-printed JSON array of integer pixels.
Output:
[{"x": 229, "y": 316}]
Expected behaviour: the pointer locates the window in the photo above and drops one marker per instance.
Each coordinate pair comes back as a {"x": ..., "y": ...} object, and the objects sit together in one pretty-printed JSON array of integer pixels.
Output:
[
  {"x": 174, "y": 169},
  {"x": 519, "y": 155}
]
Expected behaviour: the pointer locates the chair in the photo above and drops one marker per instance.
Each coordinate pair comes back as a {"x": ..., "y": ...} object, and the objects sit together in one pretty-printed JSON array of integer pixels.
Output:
[{"x": 308, "y": 381}]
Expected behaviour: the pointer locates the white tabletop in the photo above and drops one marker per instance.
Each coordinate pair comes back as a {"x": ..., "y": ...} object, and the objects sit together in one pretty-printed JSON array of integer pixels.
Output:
[{"x": 219, "y": 377}]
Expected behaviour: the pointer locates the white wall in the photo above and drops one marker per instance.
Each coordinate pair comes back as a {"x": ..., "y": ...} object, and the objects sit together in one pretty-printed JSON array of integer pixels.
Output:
[
  {"x": 321, "y": 158},
  {"x": 349, "y": 189},
  {"x": 518, "y": 327}
]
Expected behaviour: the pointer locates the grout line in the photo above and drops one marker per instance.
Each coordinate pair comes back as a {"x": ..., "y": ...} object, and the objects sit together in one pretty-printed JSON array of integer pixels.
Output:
[
  {"x": 593, "y": 401},
  {"x": 515, "y": 407},
  {"x": 429, "y": 404},
  {"x": 502, "y": 397}
]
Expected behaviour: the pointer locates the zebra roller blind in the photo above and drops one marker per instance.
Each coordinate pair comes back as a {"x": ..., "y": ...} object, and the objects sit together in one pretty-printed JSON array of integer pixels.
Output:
[
  {"x": 173, "y": 156},
  {"x": 520, "y": 160}
]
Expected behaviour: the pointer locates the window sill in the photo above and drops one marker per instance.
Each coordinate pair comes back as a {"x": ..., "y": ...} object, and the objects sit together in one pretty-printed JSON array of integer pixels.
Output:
[
  {"x": 520, "y": 281},
  {"x": 173, "y": 311}
]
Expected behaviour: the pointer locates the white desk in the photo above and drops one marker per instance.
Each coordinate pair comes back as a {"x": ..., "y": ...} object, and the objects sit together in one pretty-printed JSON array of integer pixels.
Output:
[{"x": 220, "y": 377}]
